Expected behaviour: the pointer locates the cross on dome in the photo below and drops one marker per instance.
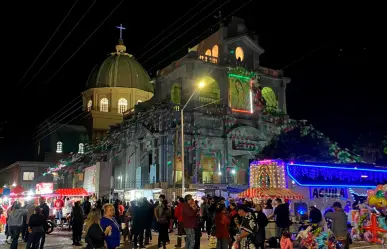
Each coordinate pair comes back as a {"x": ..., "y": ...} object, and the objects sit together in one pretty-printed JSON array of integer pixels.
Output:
[{"x": 121, "y": 28}]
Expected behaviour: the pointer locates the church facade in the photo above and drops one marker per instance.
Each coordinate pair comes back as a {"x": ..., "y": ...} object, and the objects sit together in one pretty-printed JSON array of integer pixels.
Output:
[{"x": 232, "y": 109}]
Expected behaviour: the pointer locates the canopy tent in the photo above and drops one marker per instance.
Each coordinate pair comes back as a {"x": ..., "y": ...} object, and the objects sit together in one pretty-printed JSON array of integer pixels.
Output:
[
  {"x": 71, "y": 192},
  {"x": 266, "y": 193},
  {"x": 18, "y": 190}
]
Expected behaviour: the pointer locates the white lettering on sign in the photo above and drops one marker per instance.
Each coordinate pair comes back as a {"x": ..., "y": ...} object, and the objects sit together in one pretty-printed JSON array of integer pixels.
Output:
[{"x": 328, "y": 193}]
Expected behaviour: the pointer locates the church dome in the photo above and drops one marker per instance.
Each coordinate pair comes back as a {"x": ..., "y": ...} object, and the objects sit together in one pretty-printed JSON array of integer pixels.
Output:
[{"x": 120, "y": 69}]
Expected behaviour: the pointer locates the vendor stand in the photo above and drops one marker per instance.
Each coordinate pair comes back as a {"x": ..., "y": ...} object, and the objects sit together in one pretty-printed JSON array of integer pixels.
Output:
[{"x": 263, "y": 194}]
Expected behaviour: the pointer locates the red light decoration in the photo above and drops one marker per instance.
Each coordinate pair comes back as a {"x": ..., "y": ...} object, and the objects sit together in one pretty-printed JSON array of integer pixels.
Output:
[{"x": 71, "y": 192}]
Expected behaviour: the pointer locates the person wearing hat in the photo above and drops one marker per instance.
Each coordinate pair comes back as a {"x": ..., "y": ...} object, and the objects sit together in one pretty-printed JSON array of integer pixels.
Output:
[
  {"x": 246, "y": 227},
  {"x": 339, "y": 224}
]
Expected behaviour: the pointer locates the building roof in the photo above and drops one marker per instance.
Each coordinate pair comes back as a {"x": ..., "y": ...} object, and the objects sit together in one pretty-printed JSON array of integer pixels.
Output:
[{"x": 120, "y": 69}]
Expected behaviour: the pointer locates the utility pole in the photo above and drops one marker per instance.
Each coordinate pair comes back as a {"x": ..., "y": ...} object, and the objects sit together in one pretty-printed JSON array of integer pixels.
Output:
[{"x": 175, "y": 157}]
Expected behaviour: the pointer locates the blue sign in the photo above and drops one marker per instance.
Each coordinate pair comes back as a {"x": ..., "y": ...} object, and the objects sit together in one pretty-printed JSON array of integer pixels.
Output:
[
  {"x": 152, "y": 174},
  {"x": 333, "y": 176}
]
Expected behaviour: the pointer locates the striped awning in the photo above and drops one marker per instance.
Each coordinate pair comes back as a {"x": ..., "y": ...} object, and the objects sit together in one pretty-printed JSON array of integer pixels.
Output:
[{"x": 272, "y": 193}]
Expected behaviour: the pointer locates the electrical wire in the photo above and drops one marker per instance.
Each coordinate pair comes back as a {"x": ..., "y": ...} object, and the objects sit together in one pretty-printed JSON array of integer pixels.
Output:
[
  {"x": 73, "y": 56},
  {"x": 76, "y": 51},
  {"x": 82, "y": 113},
  {"x": 178, "y": 20},
  {"x": 59, "y": 121},
  {"x": 187, "y": 44},
  {"x": 186, "y": 31},
  {"x": 163, "y": 39},
  {"x": 60, "y": 45},
  {"x": 60, "y": 114},
  {"x": 49, "y": 40}
]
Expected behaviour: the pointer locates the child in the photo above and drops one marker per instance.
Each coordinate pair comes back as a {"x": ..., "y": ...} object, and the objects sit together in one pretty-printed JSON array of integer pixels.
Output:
[
  {"x": 125, "y": 231},
  {"x": 286, "y": 242}
]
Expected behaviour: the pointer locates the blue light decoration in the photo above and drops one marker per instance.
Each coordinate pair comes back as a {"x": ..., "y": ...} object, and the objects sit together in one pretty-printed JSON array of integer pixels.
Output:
[{"x": 310, "y": 174}]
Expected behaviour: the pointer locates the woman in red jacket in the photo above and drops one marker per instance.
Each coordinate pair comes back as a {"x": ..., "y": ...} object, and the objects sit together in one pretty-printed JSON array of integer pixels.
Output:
[
  {"x": 222, "y": 221},
  {"x": 179, "y": 218}
]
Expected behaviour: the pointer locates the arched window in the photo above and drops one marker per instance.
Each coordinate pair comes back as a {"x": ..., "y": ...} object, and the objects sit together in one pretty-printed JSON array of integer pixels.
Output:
[
  {"x": 81, "y": 148},
  {"x": 208, "y": 52},
  {"x": 104, "y": 105},
  {"x": 59, "y": 147},
  {"x": 122, "y": 105},
  {"x": 89, "y": 105},
  {"x": 239, "y": 54},
  {"x": 215, "y": 51}
]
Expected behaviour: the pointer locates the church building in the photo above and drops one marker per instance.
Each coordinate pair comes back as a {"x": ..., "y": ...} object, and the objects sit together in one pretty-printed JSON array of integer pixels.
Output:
[{"x": 232, "y": 108}]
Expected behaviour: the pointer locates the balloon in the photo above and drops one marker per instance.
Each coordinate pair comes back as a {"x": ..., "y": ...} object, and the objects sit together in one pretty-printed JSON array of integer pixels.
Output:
[
  {"x": 380, "y": 194},
  {"x": 372, "y": 200},
  {"x": 385, "y": 195},
  {"x": 381, "y": 203},
  {"x": 385, "y": 187},
  {"x": 384, "y": 211},
  {"x": 379, "y": 187},
  {"x": 370, "y": 193}
]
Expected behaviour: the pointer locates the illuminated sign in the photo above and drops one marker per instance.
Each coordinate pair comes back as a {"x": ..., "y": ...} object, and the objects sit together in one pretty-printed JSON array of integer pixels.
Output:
[
  {"x": 331, "y": 176},
  {"x": 44, "y": 188},
  {"x": 316, "y": 193}
]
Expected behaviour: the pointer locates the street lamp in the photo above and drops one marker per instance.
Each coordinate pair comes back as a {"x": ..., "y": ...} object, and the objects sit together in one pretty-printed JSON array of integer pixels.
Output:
[{"x": 200, "y": 85}]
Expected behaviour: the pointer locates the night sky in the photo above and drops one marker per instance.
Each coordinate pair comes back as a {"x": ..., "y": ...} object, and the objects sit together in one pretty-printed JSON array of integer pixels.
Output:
[{"x": 334, "y": 55}]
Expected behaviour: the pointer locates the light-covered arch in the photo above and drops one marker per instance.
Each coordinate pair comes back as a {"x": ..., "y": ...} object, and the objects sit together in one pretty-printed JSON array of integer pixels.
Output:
[
  {"x": 122, "y": 105},
  {"x": 208, "y": 52},
  {"x": 210, "y": 92},
  {"x": 215, "y": 51},
  {"x": 270, "y": 99},
  {"x": 239, "y": 53},
  {"x": 104, "y": 105}
]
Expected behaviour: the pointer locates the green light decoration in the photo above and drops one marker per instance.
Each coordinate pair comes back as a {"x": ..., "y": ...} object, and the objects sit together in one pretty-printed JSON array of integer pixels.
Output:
[{"x": 239, "y": 76}]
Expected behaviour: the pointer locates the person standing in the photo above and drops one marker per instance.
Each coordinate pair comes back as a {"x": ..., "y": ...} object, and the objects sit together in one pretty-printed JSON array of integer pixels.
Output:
[
  {"x": 222, "y": 222},
  {"x": 339, "y": 224},
  {"x": 113, "y": 238},
  {"x": 163, "y": 221},
  {"x": 281, "y": 213},
  {"x": 35, "y": 228},
  {"x": 15, "y": 223},
  {"x": 179, "y": 218},
  {"x": 77, "y": 216},
  {"x": 190, "y": 212},
  {"x": 45, "y": 210}
]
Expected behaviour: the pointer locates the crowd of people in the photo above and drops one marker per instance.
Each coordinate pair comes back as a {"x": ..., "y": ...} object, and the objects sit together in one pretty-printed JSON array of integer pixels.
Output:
[{"x": 227, "y": 223}]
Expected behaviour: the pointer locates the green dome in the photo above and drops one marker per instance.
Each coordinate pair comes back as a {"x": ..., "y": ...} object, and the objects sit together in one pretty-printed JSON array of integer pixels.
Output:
[{"x": 120, "y": 69}]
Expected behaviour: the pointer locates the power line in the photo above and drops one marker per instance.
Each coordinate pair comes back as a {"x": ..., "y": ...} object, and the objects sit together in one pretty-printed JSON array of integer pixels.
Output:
[
  {"x": 187, "y": 44},
  {"x": 178, "y": 20},
  {"x": 186, "y": 31},
  {"x": 197, "y": 13},
  {"x": 58, "y": 122},
  {"x": 76, "y": 51},
  {"x": 82, "y": 113},
  {"x": 49, "y": 40},
  {"x": 60, "y": 45},
  {"x": 60, "y": 114},
  {"x": 304, "y": 56}
]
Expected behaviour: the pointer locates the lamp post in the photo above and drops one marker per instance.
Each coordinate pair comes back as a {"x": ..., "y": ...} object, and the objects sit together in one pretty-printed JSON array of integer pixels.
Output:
[{"x": 200, "y": 85}]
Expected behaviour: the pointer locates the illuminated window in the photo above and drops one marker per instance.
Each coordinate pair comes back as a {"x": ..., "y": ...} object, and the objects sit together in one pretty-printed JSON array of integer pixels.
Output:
[
  {"x": 89, "y": 105},
  {"x": 139, "y": 101},
  {"x": 208, "y": 52},
  {"x": 270, "y": 98},
  {"x": 104, "y": 105},
  {"x": 239, "y": 53},
  {"x": 59, "y": 147},
  {"x": 215, "y": 51},
  {"x": 28, "y": 176},
  {"x": 122, "y": 105},
  {"x": 81, "y": 148}
]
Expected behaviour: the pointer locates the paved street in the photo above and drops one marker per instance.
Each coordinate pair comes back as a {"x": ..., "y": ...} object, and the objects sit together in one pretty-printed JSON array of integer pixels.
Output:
[{"x": 62, "y": 240}]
